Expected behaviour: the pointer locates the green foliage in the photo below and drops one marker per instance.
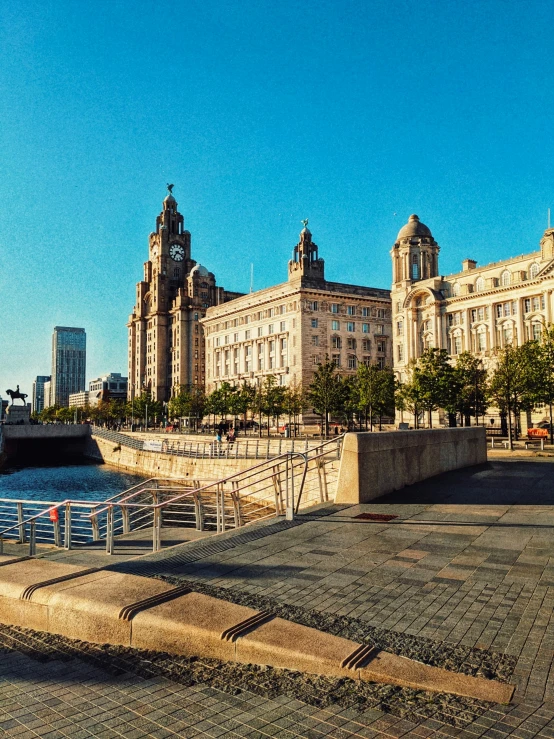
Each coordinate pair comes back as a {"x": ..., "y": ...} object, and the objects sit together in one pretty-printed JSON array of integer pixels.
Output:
[
  {"x": 327, "y": 392},
  {"x": 375, "y": 388}
]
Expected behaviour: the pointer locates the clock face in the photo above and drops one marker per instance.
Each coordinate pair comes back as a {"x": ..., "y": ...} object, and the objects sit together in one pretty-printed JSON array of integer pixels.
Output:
[{"x": 176, "y": 252}]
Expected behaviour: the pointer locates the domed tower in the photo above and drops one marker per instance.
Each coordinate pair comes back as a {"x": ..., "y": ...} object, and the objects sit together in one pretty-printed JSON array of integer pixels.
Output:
[
  {"x": 415, "y": 254},
  {"x": 305, "y": 260}
]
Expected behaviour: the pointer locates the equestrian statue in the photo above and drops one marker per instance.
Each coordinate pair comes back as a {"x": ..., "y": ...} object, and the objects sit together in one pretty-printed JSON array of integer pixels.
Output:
[{"x": 16, "y": 394}]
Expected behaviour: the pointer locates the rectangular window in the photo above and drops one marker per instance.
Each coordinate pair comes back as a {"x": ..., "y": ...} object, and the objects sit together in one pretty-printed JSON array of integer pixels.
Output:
[
  {"x": 283, "y": 326},
  {"x": 334, "y": 307},
  {"x": 315, "y": 359},
  {"x": 366, "y": 345},
  {"x": 350, "y": 343},
  {"x": 499, "y": 310},
  {"x": 450, "y": 319},
  {"x": 315, "y": 340},
  {"x": 507, "y": 335},
  {"x": 457, "y": 345},
  {"x": 514, "y": 308},
  {"x": 474, "y": 315},
  {"x": 536, "y": 331},
  {"x": 247, "y": 335},
  {"x": 260, "y": 330},
  {"x": 350, "y": 326},
  {"x": 335, "y": 325},
  {"x": 351, "y": 310},
  {"x": 381, "y": 347},
  {"x": 379, "y": 329},
  {"x": 217, "y": 340},
  {"x": 270, "y": 328},
  {"x": 366, "y": 311},
  {"x": 312, "y": 304},
  {"x": 336, "y": 359},
  {"x": 536, "y": 303},
  {"x": 336, "y": 342},
  {"x": 314, "y": 322},
  {"x": 351, "y": 362},
  {"x": 247, "y": 319},
  {"x": 542, "y": 302},
  {"x": 235, "y": 338},
  {"x": 400, "y": 353},
  {"x": 481, "y": 341},
  {"x": 380, "y": 313},
  {"x": 365, "y": 328},
  {"x": 527, "y": 305}
]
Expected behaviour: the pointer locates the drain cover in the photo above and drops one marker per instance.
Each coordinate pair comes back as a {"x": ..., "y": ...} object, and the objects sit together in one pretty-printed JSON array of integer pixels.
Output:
[{"x": 376, "y": 516}]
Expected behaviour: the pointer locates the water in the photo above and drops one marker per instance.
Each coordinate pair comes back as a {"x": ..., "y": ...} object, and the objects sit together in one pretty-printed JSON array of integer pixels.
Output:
[{"x": 78, "y": 482}]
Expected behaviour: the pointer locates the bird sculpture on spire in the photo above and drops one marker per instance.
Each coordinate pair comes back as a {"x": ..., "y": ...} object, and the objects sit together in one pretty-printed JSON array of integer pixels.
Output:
[
  {"x": 170, "y": 188},
  {"x": 305, "y": 222}
]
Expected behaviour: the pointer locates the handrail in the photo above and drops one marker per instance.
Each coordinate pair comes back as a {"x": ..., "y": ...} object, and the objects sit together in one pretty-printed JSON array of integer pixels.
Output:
[{"x": 255, "y": 479}]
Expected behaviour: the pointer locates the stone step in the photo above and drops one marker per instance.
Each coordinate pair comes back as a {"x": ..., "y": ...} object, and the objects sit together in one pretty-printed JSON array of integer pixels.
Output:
[{"x": 103, "y": 606}]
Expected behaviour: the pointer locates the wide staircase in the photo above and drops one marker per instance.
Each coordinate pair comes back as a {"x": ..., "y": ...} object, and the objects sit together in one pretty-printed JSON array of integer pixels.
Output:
[{"x": 278, "y": 486}]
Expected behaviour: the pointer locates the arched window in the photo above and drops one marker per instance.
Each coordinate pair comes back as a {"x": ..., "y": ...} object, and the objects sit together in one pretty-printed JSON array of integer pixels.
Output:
[
  {"x": 479, "y": 285},
  {"x": 536, "y": 331},
  {"x": 455, "y": 289},
  {"x": 533, "y": 271},
  {"x": 506, "y": 278}
]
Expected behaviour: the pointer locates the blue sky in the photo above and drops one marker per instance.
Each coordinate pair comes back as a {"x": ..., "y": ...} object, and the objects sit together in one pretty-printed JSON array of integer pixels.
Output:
[{"x": 352, "y": 114}]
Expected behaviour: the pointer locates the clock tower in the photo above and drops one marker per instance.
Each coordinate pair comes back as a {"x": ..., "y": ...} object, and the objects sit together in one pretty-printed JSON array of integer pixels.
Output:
[{"x": 166, "y": 339}]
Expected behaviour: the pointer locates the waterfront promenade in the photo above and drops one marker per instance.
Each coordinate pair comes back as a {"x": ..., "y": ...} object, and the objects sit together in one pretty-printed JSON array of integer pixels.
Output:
[{"x": 461, "y": 575}]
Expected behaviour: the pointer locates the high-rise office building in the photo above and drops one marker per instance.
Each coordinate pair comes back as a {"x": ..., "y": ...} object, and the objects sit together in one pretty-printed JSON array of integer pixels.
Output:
[
  {"x": 38, "y": 393},
  {"x": 69, "y": 354}
]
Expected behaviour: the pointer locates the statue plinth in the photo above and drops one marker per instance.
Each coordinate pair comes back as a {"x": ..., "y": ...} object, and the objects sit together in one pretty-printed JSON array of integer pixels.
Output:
[{"x": 18, "y": 414}]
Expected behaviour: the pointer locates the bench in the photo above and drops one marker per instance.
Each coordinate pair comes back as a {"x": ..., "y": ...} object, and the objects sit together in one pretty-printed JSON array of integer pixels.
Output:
[{"x": 536, "y": 436}]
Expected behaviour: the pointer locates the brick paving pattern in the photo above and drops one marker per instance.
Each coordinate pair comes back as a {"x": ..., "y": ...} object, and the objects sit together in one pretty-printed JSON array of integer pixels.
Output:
[{"x": 470, "y": 560}]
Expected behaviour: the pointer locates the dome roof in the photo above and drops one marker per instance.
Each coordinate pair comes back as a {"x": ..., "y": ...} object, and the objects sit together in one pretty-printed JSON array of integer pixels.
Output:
[
  {"x": 306, "y": 231},
  {"x": 198, "y": 269},
  {"x": 414, "y": 227},
  {"x": 170, "y": 199}
]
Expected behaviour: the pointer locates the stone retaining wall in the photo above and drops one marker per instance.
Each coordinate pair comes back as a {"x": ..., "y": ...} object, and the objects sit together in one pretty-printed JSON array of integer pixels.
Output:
[
  {"x": 374, "y": 464},
  {"x": 153, "y": 464}
]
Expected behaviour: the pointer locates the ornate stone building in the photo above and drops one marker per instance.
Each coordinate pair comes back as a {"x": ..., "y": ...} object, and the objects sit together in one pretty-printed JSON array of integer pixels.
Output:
[
  {"x": 166, "y": 338},
  {"x": 478, "y": 309},
  {"x": 288, "y": 329}
]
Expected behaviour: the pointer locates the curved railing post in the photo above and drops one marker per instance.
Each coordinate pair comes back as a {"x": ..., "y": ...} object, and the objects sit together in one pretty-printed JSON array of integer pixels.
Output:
[
  {"x": 109, "y": 531},
  {"x": 33, "y": 538}
]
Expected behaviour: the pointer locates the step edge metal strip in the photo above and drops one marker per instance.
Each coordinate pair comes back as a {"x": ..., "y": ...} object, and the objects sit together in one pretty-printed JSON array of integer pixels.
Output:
[
  {"x": 233, "y": 632},
  {"x": 27, "y": 594},
  {"x": 129, "y": 611}
]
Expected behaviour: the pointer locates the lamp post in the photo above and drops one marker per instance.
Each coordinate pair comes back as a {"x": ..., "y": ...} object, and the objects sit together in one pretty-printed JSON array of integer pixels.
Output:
[{"x": 146, "y": 416}]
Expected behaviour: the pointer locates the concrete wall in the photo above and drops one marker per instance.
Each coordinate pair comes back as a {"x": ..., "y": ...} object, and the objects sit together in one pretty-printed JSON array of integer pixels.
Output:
[
  {"x": 153, "y": 464},
  {"x": 35, "y": 444},
  {"x": 374, "y": 464}
]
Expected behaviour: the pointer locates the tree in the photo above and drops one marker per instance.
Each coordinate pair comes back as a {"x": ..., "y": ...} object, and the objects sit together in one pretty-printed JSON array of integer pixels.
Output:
[
  {"x": 470, "y": 386},
  {"x": 545, "y": 367},
  {"x": 144, "y": 405},
  {"x": 376, "y": 388},
  {"x": 294, "y": 402},
  {"x": 189, "y": 402},
  {"x": 436, "y": 381},
  {"x": 512, "y": 384},
  {"x": 326, "y": 392}
]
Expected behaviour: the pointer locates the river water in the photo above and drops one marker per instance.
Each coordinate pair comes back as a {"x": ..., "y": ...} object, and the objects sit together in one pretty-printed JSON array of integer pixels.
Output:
[{"x": 79, "y": 482}]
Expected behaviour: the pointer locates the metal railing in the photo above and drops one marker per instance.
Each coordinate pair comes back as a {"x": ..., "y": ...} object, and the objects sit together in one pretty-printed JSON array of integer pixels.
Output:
[
  {"x": 274, "y": 487},
  {"x": 241, "y": 448}
]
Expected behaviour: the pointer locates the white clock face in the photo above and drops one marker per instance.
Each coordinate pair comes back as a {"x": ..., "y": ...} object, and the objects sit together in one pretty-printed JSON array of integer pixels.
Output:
[{"x": 176, "y": 252}]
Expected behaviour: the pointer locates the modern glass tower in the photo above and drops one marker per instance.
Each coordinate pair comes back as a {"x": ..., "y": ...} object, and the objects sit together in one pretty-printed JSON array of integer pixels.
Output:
[
  {"x": 38, "y": 392},
  {"x": 69, "y": 353}
]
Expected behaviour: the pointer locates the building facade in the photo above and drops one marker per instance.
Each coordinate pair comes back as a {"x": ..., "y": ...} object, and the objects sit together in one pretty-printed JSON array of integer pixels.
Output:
[
  {"x": 69, "y": 354},
  {"x": 288, "y": 329},
  {"x": 107, "y": 387},
  {"x": 38, "y": 393},
  {"x": 79, "y": 400},
  {"x": 166, "y": 339},
  {"x": 479, "y": 309}
]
